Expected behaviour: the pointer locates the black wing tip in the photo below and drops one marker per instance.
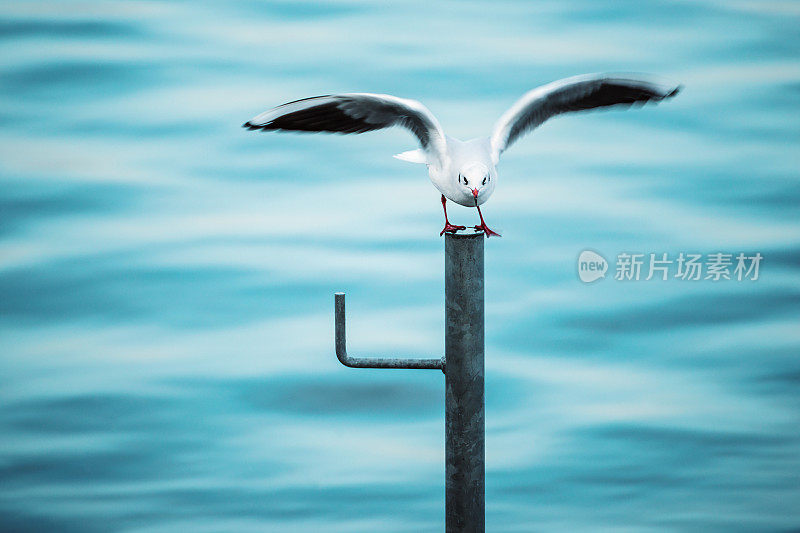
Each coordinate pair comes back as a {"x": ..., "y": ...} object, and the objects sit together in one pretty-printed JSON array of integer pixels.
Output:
[
  {"x": 253, "y": 127},
  {"x": 674, "y": 92},
  {"x": 269, "y": 126}
]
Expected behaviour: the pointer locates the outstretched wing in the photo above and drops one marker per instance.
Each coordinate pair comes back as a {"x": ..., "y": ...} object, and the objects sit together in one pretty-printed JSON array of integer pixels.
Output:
[
  {"x": 356, "y": 113},
  {"x": 578, "y": 93}
]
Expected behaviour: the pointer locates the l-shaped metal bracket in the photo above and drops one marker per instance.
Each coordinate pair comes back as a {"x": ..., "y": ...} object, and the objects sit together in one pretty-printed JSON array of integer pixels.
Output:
[{"x": 372, "y": 362}]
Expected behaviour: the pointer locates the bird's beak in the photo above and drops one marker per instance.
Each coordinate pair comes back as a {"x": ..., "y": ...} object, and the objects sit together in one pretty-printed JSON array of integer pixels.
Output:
[{"x": 475, "y": 193}]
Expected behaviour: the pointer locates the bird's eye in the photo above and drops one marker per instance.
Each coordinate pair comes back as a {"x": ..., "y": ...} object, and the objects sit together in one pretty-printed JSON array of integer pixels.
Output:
[
  {"x": 484, "y": 181},
  {"x": 465, "y": 181}
]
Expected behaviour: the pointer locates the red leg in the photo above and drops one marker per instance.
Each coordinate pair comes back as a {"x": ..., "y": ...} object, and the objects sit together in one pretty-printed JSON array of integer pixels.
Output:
[
  {"x": 483, "y": 227},
  {"x": 448, "y": 227}
]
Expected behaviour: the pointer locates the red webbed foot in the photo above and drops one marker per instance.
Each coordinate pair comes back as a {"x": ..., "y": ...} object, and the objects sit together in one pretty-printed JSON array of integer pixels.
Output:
[
  {"x": 450, "y": 228},
  {"x": 485, "y": 229}
]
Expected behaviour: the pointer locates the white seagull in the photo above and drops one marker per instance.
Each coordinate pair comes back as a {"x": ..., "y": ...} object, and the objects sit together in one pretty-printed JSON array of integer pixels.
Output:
[{"x": 463, "y": 171}]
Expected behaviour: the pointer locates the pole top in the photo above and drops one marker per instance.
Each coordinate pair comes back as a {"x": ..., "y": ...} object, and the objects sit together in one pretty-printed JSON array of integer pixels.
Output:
[{"x": 469, "y": 234}]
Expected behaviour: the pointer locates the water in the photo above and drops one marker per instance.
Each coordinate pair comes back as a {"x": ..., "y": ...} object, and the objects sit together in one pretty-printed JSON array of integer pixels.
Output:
[{"x": 167, "y": 278}]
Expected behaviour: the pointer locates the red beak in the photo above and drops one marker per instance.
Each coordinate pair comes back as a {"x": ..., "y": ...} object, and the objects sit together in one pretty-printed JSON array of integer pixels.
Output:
[{"x": 475, "y": 193}]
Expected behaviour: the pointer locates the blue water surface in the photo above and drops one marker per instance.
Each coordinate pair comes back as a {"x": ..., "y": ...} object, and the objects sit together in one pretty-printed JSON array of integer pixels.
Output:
[{"x": 167, "y": 278}]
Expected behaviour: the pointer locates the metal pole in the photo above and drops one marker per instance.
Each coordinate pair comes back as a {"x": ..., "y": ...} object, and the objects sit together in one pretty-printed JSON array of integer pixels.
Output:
[
  {"x": 463, "y": 368},
  {"x": 464, "y": 391}
]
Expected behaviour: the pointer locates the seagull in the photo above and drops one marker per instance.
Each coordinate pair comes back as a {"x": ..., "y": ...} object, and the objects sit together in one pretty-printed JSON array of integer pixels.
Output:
[{"x": 464, "y": 172}]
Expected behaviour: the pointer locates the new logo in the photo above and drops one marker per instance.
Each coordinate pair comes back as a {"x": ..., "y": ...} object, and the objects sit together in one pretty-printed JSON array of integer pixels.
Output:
[{"x": 591, "y": 266}]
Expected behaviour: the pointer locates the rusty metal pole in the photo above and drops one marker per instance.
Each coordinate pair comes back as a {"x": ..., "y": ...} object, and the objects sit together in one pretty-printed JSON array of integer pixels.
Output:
[
  {"x": 464, "y": 390},
  {"x": 463, "y": 368}
]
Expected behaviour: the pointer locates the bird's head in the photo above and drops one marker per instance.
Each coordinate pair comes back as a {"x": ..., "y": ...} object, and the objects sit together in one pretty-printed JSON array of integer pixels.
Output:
[{"x": 475, "y": 180}]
